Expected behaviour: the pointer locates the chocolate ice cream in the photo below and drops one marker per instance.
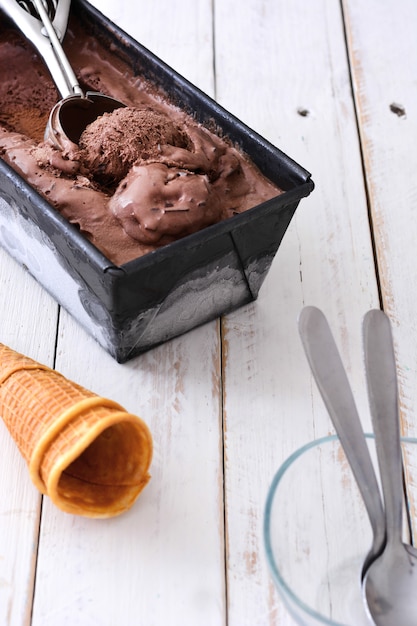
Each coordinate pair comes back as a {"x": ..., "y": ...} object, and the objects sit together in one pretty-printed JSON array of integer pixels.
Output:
[
  {"x": 142, "y": 176},
  {"x": 115, "y": 141}
]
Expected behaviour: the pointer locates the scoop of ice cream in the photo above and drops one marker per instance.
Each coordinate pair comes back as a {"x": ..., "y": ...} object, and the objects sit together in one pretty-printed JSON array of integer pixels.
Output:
[
  {"x": 157, "y": 204},
  {"x": 115, "y": 141}
]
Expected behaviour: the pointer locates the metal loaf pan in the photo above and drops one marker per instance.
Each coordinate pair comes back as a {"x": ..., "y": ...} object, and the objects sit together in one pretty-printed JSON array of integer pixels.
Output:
[{"x": 132, "y": 308}]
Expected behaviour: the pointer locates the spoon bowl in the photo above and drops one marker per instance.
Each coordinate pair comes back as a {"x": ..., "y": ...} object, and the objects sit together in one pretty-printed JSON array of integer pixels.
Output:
[
  {"x": 70, "y": 117},
  {"x": 390, "y": 586}
]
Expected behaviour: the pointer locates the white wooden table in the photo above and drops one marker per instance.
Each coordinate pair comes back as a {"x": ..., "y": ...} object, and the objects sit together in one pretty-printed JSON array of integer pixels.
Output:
[{"x": 333, "y": 84}]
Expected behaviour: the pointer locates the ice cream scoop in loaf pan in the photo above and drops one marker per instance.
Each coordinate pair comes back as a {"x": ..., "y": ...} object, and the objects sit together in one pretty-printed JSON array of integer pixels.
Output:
[{"x": 167, "y": 273}]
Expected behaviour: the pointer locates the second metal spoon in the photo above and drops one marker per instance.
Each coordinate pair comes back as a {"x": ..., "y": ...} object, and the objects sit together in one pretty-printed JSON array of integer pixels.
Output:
[{"x": 390, "y": 585}]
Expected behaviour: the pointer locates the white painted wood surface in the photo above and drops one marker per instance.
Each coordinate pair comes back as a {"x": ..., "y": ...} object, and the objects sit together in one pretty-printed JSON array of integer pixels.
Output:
[
  {"x": 227, "y": 403},
  {"x": 384, "y": 60}
]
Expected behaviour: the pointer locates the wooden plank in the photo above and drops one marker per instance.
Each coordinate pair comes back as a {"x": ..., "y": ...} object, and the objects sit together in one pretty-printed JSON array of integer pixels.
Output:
[
  {"x": 28, "y": 324},
  {"x": 282, "y": 68},
  {"x": 391, "y": 159},
  {"x": 383, "y": 56},
  {"x": 163, "y": 561}
]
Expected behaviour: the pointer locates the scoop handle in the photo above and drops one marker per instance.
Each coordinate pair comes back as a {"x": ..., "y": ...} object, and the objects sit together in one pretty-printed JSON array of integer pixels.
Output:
[
  {"x": 49, "y": 48},
  {"x": 383, "y": 401},
  {"x": 330, "y": 376},
  {"x": 65, "y": 70}
]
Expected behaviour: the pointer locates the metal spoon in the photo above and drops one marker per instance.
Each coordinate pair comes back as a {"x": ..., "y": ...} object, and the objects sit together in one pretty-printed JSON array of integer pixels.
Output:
[
  {"x": 71, "y": 115},
  {"x": 330, "y": 376},
  {"x": 390, "y": 585}
]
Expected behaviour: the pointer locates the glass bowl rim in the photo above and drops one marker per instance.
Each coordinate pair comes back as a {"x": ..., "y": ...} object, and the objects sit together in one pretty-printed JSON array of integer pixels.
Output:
[{"x": 279, "y": 581}]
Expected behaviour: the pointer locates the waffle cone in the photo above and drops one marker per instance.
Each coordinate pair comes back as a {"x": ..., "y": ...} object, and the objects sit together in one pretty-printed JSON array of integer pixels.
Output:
[{"x": 85, "y": 452}]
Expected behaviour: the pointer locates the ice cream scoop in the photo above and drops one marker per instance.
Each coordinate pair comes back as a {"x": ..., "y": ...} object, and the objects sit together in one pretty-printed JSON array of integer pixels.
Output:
[{"x": 71, "y": 115}]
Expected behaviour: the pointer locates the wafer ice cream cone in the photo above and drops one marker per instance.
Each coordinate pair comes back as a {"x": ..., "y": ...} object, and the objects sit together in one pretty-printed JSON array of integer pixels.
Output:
[{"x": 85, "y": 452}]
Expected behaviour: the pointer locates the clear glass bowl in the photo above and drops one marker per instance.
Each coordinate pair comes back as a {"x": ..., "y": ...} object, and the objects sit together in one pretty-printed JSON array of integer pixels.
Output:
[{"x": 317, "y": 533}]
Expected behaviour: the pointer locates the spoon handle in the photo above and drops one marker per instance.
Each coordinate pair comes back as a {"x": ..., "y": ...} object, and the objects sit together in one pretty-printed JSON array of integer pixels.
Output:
[
  {"x": 330, "y": 376},
  {"x": 383, "y": 401}
]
